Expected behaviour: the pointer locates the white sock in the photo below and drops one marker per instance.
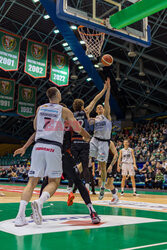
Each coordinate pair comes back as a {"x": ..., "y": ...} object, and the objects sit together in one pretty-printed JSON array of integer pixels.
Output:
[
  {"x": 122, "y": 189},
  {"x": 69, "y": 189},
  {"x": 134, "y": 190},
  {"x": 114, "y": 195},
  {"x": 22, "y": 208},
  {"x": 90, "y": 208},
  {"x": 44, "y": 197},
  {"x": 87, "y": 186}
]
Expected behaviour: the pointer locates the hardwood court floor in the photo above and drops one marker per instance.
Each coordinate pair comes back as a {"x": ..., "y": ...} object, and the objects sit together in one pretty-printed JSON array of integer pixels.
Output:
[{"x": 135, "y": 223}]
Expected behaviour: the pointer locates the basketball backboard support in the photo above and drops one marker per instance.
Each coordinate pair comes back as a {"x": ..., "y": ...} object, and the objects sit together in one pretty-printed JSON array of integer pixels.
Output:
[{"x": 95, "y": 14}]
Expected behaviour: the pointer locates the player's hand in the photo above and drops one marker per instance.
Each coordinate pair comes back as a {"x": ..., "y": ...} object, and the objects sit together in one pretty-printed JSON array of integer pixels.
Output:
[
  {"x": 118, "y": 169},
  {"x": 87, "y": 138},
  {"x": 135, "y": 167},
  {"x": 109, "y": 169},
  {"x": 108, "y": 83},
  {"x": 19, "y": 151}
]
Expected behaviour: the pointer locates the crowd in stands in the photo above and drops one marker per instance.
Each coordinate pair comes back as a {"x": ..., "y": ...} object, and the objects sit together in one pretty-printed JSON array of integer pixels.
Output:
[
  {"x": 15, "y": 172},
  {"x": 149, "y": 142}
]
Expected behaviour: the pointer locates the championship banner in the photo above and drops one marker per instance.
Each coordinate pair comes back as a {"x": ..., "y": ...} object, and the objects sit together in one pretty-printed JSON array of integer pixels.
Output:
[
  {"x": 26, "y": 101},
  {"x": 59, "y": 72},
  {"x": 7, "y": 91},
  {"x": 9, "y": 51},
  {"x": 36, "y": 59}
]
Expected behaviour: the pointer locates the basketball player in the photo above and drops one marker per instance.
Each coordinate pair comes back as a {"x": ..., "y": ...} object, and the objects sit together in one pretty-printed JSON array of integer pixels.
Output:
[
  {"x": 80, "y": 148},
  {"x": 99, "y": 144},
  {"x": 69, "y": 170},
  {"x": 49, "y": 126},
  {"x": 111, "y": 172},
  {"x": 128, "y": 162}
]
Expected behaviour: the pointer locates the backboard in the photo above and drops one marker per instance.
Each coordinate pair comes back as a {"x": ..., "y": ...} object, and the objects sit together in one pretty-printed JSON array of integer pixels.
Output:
[{"x": 95, "y": 14}]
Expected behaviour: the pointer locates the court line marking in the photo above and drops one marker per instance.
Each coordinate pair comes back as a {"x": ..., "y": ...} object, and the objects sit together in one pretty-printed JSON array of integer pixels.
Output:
[{"x": 152, "y": 245}]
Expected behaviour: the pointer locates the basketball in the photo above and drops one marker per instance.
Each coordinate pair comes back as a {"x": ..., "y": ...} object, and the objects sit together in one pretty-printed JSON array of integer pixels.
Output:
[{"x": 107, "y": 60}]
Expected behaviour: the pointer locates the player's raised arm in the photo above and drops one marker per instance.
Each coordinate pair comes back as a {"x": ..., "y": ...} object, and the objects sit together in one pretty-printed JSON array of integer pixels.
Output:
[
  {"x": 68, "y": 116},
  {"x": 91, "y": 106},
  {"x": 107, "y": 99},
  {"x": 22, "y": 150}
]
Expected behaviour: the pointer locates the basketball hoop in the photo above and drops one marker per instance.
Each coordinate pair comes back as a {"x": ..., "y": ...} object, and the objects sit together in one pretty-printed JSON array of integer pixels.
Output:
[{"x": 93, "y": 39}]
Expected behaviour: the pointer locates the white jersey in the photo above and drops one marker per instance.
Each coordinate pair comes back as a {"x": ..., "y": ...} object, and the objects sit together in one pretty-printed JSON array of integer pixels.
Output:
[
  {"x": 102, "y": 128},
  {"x": 127, "y": 155},
  {"x": 50, "y": 124}
]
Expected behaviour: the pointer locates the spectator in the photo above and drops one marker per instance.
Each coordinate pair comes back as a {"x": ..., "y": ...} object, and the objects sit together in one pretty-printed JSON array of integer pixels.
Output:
[
  {"x": 149, "y": 180},
  {"x": 159, "y": 178}
]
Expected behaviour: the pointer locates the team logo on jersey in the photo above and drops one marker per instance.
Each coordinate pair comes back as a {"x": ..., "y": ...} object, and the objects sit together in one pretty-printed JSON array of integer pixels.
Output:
[
  {"x": 37, "y": 51},
  {"x": 27, "y": 94},
  {"x": 60, "y": 61},
  {"x": 8, "y": 43},
  {"x": 5, "y": 87}
]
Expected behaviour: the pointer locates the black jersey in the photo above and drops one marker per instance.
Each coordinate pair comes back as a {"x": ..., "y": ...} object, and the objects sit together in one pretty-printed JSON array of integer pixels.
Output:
[
  {"x": 81, "y": 117},
  {"x": 67, "y": 138}
]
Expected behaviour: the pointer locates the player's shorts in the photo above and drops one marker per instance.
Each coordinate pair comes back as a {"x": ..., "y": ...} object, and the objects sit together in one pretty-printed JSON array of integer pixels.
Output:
[
  {"x": 128, "y": 169},
  {"x": 46, "y": 160},
  {"x": 99, "y": 149},
  {"x": 80, "y": 152}
]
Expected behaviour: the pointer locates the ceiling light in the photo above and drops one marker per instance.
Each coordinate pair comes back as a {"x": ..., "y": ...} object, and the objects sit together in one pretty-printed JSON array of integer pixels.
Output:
[
  {"x": 73, "y": 27},
  {"x": 131, "y": 53},
  {"x": 89, "y": 79},
  {"x": 73, "y": 74},
  {"x": 90, "y": 56},
  {"x": 77, "y": 62},
  {"x": 100, "y": 69},
  {"x": 147, "y": 90},
  {"x": 56, "y": 31},
  {"x": 70, "y": 53},
  {"x": 65, "y": 44},
  {"x": 35, "y": 1},
  {"x": 118, "y": 78},
  {"x": 82, "y": 42},
  {"x": 46, "y": 17},
  {"x": 80, "y": 67},
  {"x": 75, "y": 59},
  {"x": 141, "y": 73},
  {"x": 67, "y": 48},
  {"x": 69, "y": 92},
  {"x": 101, "y": 64},
  {"x": 97, "y": 66}
]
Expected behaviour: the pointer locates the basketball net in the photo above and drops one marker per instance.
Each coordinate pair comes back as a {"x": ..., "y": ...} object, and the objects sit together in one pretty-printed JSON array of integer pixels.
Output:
[{"x": 93, "y": 40}]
